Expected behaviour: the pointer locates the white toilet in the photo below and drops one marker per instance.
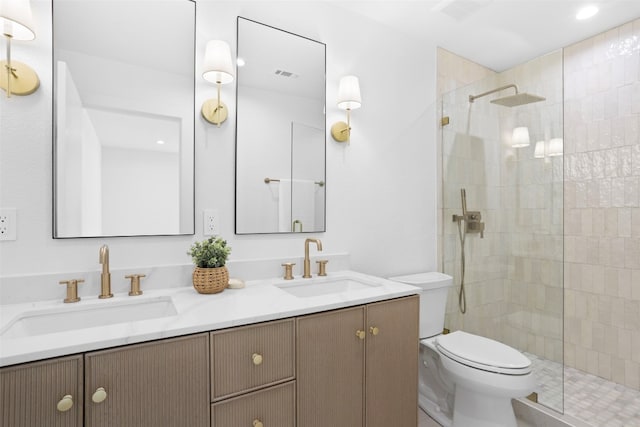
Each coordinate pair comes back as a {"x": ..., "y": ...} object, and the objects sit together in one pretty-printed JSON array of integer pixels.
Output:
[{"x": 465, "y": 380}]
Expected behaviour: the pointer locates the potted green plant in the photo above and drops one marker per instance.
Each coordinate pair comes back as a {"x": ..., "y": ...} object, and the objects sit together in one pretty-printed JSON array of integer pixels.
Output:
[{"x": 210, "y": 275}]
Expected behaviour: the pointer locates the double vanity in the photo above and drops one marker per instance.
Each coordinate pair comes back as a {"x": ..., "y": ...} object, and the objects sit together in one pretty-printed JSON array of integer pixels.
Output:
[{"x": 339, "y": 350}]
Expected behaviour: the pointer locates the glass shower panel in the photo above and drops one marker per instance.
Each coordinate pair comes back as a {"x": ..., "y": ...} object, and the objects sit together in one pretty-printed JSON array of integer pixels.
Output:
[{"x": 511, "y": 285}]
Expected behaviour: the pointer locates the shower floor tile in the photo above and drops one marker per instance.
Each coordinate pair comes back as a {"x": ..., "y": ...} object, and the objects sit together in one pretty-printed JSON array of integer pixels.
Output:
[{"x": 589, "y": 398}]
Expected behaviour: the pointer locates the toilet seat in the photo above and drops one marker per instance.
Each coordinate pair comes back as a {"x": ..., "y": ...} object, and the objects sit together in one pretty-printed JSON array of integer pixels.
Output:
[{"x": 483, "y": 353}]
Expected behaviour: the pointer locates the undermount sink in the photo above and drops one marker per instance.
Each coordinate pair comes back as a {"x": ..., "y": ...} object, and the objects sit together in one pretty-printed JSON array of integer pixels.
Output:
[
  {"x": 304, "y": 288},
  {"x": 61, "y": 319}
]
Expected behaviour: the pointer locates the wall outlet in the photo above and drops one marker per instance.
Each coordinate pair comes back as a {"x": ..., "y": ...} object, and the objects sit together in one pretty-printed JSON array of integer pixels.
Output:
[
  {"x": 211, "y": 222},
  {"x": 8, "y": 224}
]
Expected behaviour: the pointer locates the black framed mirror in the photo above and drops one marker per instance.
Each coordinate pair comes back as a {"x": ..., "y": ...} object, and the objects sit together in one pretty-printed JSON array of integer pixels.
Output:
[{"x": 280, "y": 131}]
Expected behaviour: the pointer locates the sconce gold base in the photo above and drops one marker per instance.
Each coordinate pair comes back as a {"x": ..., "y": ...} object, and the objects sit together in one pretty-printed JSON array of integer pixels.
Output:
[
  {"x": 340, "y": 131},
  {"x": 24, "y": 80},
  {"x": 210, "y": 113}
]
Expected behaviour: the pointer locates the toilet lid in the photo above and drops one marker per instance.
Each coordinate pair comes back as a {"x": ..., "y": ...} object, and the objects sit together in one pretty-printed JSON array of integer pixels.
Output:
[{"x": 483, "y": 353}]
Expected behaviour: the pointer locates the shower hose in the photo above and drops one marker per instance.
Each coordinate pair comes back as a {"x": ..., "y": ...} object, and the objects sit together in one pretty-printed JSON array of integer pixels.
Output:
[{"x": 462, "y": 298}]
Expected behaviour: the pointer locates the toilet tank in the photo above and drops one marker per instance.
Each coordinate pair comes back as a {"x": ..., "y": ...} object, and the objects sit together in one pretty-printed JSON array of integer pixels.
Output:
[{"x": 433, "y": 299}]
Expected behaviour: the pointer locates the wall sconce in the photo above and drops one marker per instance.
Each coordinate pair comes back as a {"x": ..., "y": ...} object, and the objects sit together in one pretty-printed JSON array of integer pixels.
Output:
[
  {"x": 218, "y": 69},
  {"x": 348, "y": 99},
  {"x": 520, "y": 137},
  {"x": 555, "y": 147},
  {"x": 16, "y": 23}
]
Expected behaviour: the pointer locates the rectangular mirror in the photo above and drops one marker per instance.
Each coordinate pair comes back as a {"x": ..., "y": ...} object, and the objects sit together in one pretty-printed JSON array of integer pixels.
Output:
[
  {"x": 124, "y": 99},
  {"x": 280, "y": 135}
]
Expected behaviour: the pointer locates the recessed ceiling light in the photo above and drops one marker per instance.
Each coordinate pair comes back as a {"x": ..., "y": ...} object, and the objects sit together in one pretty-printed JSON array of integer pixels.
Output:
[
  {"x": 586, "y": 12},
  {"x": 160, "y": 142}
]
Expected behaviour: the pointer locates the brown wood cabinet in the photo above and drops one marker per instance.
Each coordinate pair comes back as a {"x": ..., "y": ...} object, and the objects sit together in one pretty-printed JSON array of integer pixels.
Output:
[
  {"x": 37, "y": 394},
  {"x": 345, "y": 368},
  {"x": 359, "y": 366},
  {"x": 161, "y": 383}
]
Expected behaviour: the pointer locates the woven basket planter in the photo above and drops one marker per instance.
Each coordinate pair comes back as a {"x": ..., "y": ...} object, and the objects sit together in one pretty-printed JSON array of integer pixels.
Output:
[{"x": 210, "y": 280}]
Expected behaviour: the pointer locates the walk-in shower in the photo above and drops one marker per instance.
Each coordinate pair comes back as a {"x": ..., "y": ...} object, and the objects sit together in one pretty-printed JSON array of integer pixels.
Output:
[{"x": 507, "y": 258}]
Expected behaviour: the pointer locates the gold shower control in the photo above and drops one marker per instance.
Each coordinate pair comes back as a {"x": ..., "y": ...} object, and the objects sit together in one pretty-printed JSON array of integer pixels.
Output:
[
  {"x": 361, "y": 334},
  {"x": 99, "y": 396},
  {"x": 373, "y": 330},
  {"x": 65, "y": 403},
  {"x": 256, "y": 358},
  {"x": 257, "y": 423}
]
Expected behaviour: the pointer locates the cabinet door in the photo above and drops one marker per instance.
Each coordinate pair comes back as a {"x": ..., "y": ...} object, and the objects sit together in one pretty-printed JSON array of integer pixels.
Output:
[
  {"x": 392, "y": 363},
  {"x": 156, "y": 384},
  {"x": 30, "y": 393},
  {"x": 330, "y": 369}
]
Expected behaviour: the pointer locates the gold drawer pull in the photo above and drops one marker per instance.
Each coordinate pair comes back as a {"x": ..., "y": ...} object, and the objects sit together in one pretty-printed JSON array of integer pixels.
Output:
[
  {"x": 374, "y": 330},
  {"x": 361, "y": 334},
  {"x": 65, "y": 403},
  {"x": 257, "y": 423},
  {"x": 257, "y": 360},
  {"x": 99, "y": 396}
]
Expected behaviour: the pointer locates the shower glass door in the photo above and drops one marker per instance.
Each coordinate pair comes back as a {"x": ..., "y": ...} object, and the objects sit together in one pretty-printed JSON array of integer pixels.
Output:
[{"x": 513, "y": 255}]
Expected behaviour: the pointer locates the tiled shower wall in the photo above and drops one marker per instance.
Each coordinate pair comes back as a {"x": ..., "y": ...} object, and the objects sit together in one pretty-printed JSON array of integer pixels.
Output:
[{"x": 602, "y": 205}]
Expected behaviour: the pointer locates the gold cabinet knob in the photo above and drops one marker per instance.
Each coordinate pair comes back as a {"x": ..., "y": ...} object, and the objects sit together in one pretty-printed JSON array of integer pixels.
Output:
[
  {"x": 257, "y": 423},
  {"x": 256, "y": 358},
  {"x": 361, "y": 334},
  {"x": 373, "y": 330},
  {"x": 65, "y": 403},
  {"x": 99, "y": 396}
]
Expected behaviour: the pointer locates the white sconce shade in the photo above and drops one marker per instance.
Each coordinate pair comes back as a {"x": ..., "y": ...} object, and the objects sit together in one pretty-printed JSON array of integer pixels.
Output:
[
  {"x": 520, "y": 137},
  {"x": 16, "y": 20},
  {"x": 538, "y": 153},
  {"x": 349, "y": 93},
  {"x": 218, "y": 66},
  {"x": 555, "y": 147}
]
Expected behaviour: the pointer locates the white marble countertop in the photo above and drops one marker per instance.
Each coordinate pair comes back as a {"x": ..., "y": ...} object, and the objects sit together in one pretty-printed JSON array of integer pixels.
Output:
[{"x": 259, "y": 301}]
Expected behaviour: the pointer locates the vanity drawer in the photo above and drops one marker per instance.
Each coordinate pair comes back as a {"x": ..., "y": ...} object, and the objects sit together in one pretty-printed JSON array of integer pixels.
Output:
[
  {"x": 273, "y": 407},
  {"x": 251, "y": 357}
]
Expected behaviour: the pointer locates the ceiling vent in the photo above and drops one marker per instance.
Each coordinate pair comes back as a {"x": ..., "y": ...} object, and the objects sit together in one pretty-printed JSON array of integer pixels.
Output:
[{"x": 283, "y": 73}]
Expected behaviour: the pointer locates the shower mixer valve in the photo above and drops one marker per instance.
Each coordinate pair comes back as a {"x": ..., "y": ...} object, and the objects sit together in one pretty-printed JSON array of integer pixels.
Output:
[{"x": 473, "y": 222}]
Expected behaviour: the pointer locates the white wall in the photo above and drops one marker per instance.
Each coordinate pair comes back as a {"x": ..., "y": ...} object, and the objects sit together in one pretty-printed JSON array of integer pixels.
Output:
[{"x": 380, "y": 189}]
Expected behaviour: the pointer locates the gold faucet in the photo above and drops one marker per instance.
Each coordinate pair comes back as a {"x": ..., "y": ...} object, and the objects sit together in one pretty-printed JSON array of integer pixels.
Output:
[
  {"x": 105, "y": 277},
  {"x": 307, "y": 261}
]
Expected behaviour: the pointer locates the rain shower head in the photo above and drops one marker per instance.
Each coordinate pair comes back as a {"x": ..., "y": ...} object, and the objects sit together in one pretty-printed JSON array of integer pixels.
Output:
[
  {"x": 509, "y": 101},
  {"x": 517, "y": 99}
]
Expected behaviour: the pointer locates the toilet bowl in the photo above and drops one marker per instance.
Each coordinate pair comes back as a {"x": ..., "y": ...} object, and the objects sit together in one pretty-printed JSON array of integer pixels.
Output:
[{"x": 465, "y": 380}]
